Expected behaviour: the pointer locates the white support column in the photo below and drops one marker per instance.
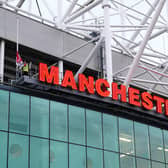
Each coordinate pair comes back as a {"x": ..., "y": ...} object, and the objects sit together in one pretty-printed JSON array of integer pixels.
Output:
[
  {"x": 144, "y": 20},
  {"x": 122, "y": 16},
  {"x": 107, "y": 36},
  {"x": 143, "y": 44},
  {"x": 2, "y": 57},
  {"x": 59, "y": 14},
  {"x": 61, "y": 70}
]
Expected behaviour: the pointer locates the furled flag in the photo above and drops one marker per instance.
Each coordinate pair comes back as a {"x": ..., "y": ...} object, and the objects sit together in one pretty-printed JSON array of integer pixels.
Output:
[{"x": 19, "y": 61}]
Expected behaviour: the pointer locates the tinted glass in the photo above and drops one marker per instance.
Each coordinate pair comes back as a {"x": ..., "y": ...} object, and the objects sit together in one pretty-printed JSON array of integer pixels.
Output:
[
  {"x": 158, "y": 165},
  {"x": 4, "y": 103},
  {"x": 126, "y": 136},
  {"x": 18, "y": 151},
  {"x": 94, "y": 158},
  {"x": 94, "y": 128},
  {"x": 77, "y": 156},
  {"x": 156, "y": 142},
  {"x": 19, "y": 113},
  {"x": 58, "y": 154},
  {"x": 39, "y": 153},
  {"x": 58, "y": 121},
  {"x": 110, "y": 132},
  {"x": 76, "y": 125},
  {"x": 143, "y": 163},
  {"x": 127, "y": 161},
  {"x": 3, "y": 149},
  {"x": 141, "y": 140},
  {"x": 111, "y": 160},
  {"x": 166, "y": 145},
  {"x": 39, "y": 117}
]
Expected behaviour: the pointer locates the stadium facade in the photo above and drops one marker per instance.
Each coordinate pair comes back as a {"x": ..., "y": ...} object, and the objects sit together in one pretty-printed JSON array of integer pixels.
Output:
[{"x": 46, "y": 125}]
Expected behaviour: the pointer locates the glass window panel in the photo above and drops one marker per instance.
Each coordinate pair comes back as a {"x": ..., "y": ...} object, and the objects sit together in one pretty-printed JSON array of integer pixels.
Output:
[
  {"x": 143, "y": 163},
  {"x": 58, "y": 121},
  {"x": 156, "y": 142},
  {"x": 39, "y": 153},
  {"x": 94, "y": 128},
  {"x": 39, "y": 117},
  {"x": 158, "y": 165},
  {"x": 111, "y": 160},
  {"x": 94, "y": 158},
  {"x": 76, "y": 125},
  {"x": 141, "y": 140},
  {"x": 110, "y": 132},
  {"x": 18, "y": 151},
  {"x": 77, "y": 156},
  {"x": 4, "y": 102},
  {"x": 3, "y": 149},
  {"x": 166, "y": 144},
  {"x": 19, "y": 113},
  {"x": 58, "y": 154},
  {"x": 127, "y": 161},
  {"x": 126, "y": 136}
]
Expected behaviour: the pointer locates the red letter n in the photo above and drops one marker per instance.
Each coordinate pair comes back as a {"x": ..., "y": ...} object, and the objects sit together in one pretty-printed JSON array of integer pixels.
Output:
[{"x": 84, "y": 82}]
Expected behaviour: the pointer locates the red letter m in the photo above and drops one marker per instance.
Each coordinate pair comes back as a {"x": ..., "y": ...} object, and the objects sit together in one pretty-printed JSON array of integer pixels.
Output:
[{"x": 44, "y": 75}]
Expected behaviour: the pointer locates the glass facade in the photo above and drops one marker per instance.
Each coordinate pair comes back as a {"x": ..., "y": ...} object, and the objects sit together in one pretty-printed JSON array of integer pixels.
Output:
[{"x": 39, "y": 133}]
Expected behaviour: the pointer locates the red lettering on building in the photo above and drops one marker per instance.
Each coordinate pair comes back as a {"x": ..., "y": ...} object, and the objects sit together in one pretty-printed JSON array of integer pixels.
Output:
[
  {"x": 101, "y": 84},
  {"x": 159, "y": 102},
  {"x": 68, "y": 80},
  {"x": 116, "y": 92},
  {"x": 49, "y": 77},
  {"x": 166, "y": 107},
  {"x": 86, "y": 83},
  {"x": 134, "y": 97},
  {"x": 147, "y": 100}
]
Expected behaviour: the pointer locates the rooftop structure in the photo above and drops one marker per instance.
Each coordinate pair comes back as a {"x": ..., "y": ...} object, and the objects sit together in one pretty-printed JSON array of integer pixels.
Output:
[{"x": 115, "y": 38}]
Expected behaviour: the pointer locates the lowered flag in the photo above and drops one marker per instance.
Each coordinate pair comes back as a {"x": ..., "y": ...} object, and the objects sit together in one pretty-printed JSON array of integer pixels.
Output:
[{"x": 19, "y": 61}]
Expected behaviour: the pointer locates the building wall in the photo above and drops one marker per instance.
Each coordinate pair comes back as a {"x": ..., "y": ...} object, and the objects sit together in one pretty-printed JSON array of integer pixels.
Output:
[
  {"x": 46, "y": 39},
  {"x": 40, "y": 133}
]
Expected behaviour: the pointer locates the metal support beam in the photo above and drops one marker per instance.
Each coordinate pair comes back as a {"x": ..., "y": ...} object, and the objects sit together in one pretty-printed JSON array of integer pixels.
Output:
[
  {"x": 20, "y": 3},
  {"x": 107, "y": 37},
  {"x": 160, "y": 78},
  {"x": 154, "y": 35},
  {"x": 88, "y": 58},
  {"x": 144, "y": 43},
  {"x": 68, "y": 12},
  {"x": 82, "y": 28},
  {"x": 144, "y": 81},
  {"x": 144, "y": 20},
  {"x": 82, "y": 11},
  {"x": 61, "y": 70},
  {"x": 30, "y": 14},
  {"x": 122, "y": 16},
  {"x": 2, "y": 57}
]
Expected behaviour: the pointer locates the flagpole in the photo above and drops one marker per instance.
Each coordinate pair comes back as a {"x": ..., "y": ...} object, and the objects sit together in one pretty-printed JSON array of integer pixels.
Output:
[
  {"x": 17, "y": 35},
  {"x": 17, "y": 46}
]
